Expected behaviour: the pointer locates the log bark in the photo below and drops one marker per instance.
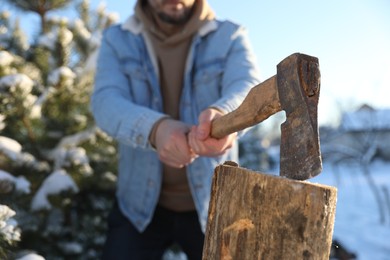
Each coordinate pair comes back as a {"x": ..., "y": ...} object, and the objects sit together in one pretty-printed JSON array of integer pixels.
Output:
[{"x": 260, "y": 216}]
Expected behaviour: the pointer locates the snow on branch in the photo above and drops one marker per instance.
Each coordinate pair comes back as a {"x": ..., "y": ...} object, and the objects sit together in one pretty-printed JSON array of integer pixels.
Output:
[
  {"x": 57, "y": 182},
  {"x": 16, "y": 81},
  {"x": 62, "y": 75},
  {"x": 22, "y": 185},
  {"x": 10, "y": 147},
  {"x": 13, "y": 150},
  {"x": 8, "y": 226},
  {"x": 78, "y": 138},
  {"x": 67, "y": 151},
  {"x": 5, "y": 58},
  {"x": 31, "y": 256},
  {"x": 50, "y": 39},
  {"x": 2, "y": 123}
]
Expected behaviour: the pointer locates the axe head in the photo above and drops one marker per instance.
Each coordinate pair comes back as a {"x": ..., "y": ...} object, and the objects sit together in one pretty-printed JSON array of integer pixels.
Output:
[{"x": 298, "y": 81}]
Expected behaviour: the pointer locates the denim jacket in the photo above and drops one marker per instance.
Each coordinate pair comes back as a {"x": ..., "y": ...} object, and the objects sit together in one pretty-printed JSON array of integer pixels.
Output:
[{"x": 127, "y": 101}]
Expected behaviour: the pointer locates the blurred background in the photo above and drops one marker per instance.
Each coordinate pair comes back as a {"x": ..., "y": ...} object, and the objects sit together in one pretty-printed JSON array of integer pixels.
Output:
[
  {"x": 350, "y": 38},
  {"x": 57, "y": 170}
]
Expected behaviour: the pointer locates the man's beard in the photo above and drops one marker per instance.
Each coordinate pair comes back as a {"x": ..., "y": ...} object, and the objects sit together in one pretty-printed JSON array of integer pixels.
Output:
[{"x": 176, "y": 20}]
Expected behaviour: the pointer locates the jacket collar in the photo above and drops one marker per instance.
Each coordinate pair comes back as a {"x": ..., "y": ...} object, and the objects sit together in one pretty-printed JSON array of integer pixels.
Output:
[{"x": 133, "y": 25}]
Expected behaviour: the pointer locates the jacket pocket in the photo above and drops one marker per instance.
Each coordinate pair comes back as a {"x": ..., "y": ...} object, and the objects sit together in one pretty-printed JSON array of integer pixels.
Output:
[
  {"x": 207, "y": 83},
  {"x": 139, "y": 86}
]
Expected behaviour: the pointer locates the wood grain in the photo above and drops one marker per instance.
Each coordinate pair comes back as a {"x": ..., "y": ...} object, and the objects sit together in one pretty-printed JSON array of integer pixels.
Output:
[{"x": 258, "y": 216}]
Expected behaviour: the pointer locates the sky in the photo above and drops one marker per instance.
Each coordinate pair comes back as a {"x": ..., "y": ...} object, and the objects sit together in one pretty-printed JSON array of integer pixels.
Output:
[{"x": 351, "y": 38}]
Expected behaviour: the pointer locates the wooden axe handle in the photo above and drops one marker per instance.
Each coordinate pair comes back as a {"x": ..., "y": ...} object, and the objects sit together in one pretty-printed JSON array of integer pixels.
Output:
[{"x": 261, "y": 102}]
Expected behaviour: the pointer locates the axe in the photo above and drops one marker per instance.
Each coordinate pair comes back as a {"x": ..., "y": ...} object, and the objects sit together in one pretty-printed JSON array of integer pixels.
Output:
[{"x": 295, "y": 89}]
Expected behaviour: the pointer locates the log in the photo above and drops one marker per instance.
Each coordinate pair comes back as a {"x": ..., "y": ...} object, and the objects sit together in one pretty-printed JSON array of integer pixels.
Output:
[{"x": 253, "y": 215}]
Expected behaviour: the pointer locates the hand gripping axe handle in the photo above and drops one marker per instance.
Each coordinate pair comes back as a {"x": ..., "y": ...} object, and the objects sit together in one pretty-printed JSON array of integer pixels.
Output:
[{"x": 295, "y": 89}]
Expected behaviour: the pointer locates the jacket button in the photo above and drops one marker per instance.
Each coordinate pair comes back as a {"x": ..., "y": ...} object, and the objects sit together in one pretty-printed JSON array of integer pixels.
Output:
[{"x": 139, "y": 139}]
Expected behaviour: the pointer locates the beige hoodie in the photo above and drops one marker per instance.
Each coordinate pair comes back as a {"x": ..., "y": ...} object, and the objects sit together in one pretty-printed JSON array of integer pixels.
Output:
[{"x": 171, "y": 49}]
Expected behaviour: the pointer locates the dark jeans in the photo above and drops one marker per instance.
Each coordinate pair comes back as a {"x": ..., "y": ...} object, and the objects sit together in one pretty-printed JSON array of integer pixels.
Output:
[{"x": 167, "y": 227}]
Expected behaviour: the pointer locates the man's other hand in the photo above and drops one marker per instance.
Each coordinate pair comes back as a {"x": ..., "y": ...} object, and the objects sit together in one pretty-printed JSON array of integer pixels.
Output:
[{"x": 172, "y": 144}]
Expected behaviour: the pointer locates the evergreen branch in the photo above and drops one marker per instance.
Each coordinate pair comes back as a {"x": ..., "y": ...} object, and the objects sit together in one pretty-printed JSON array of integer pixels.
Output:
[{"x": 41, "y": 7}]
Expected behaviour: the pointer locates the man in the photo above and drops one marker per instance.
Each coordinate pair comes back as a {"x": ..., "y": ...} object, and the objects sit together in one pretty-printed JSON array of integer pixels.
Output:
[{"x": 162, "y": 76}]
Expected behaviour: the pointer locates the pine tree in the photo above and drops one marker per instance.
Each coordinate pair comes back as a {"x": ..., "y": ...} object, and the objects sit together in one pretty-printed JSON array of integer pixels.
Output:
[
  {"x": 9, "y": 233},
  {"x": 40, "y": 7},
  {"x": 56, "y": 167}
]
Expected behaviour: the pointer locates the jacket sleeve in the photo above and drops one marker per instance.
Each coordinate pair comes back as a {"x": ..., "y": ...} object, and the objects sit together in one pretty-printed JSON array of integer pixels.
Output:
[
  {"x": 240, "y": 70},
  {"x": 112, "y": 104}
]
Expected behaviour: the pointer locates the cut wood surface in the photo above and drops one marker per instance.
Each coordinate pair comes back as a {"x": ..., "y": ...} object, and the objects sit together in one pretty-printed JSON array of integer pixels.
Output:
[{"x": 260, "y": 216}]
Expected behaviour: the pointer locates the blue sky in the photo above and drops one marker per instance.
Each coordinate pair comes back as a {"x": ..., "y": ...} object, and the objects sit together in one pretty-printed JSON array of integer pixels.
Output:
[{"x": 351, "y": 38}]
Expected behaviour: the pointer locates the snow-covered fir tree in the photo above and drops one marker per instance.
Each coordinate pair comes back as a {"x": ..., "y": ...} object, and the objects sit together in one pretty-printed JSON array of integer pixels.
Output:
[
  {"x": 57, "y": 170},
  {"x": 9, "y": 233}
]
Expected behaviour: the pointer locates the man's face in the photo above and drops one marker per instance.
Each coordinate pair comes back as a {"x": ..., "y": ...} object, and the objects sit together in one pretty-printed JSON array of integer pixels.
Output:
[{"x": 172, "y": 11}]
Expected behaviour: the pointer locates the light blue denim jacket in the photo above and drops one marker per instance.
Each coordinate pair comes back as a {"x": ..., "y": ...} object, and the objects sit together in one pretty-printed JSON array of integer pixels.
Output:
[{"x": 127, "y": 101}]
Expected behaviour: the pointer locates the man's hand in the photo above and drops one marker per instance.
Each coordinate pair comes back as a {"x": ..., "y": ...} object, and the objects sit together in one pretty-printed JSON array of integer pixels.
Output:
[
  {"x": 199, "y": 137},
  {"x": 172, "y": 144}
]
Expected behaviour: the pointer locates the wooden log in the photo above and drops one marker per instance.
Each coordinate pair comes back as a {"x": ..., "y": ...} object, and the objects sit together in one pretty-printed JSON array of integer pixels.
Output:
[{"x": 260, "y": 216}]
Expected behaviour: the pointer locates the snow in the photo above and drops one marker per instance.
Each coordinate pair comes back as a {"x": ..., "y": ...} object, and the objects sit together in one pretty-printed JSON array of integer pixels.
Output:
[
  {"x": 17, "y": 81},
  {"x": 66, "y": 156},
  {"x": 56, "y": 183},
  {"x": 8, "y": 225},
  {"x": 90, "y": 65},
  {"x": 71, "y": 247},
  {"x": 357, "y": 225},
  {"x": 32, "y": 256},
  {"x": 67, "y": 153},
  {"x": 78, "y": 155},
  {"x": 2, "y": 123},
  {"x": 113, "y": 17},
  {"x": 170, "y": 255},
  {"x": 50, "y": 39},
  {"x": 101, "y": 9},
  {"x": 76, "y": 139},
  {"x": 62, "y": 75},
  {"x": 29, "y": 101},
  {"x": 10, "y": 147},
  {"x": 22, "y": 185},
  {"x": 81, "y": 30},
  {"x": 36, "y": 109},
  {"x": 13, "y": 150},
  {"x": 5, "y": 58}
]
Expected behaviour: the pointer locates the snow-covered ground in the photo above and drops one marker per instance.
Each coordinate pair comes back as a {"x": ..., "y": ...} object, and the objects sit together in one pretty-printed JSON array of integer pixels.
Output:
[{"x": 357, "y": 224}]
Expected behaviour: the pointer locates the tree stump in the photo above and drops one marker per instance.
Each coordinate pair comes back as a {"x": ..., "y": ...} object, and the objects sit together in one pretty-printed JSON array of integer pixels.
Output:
[{"x": 260, "y": 216}]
